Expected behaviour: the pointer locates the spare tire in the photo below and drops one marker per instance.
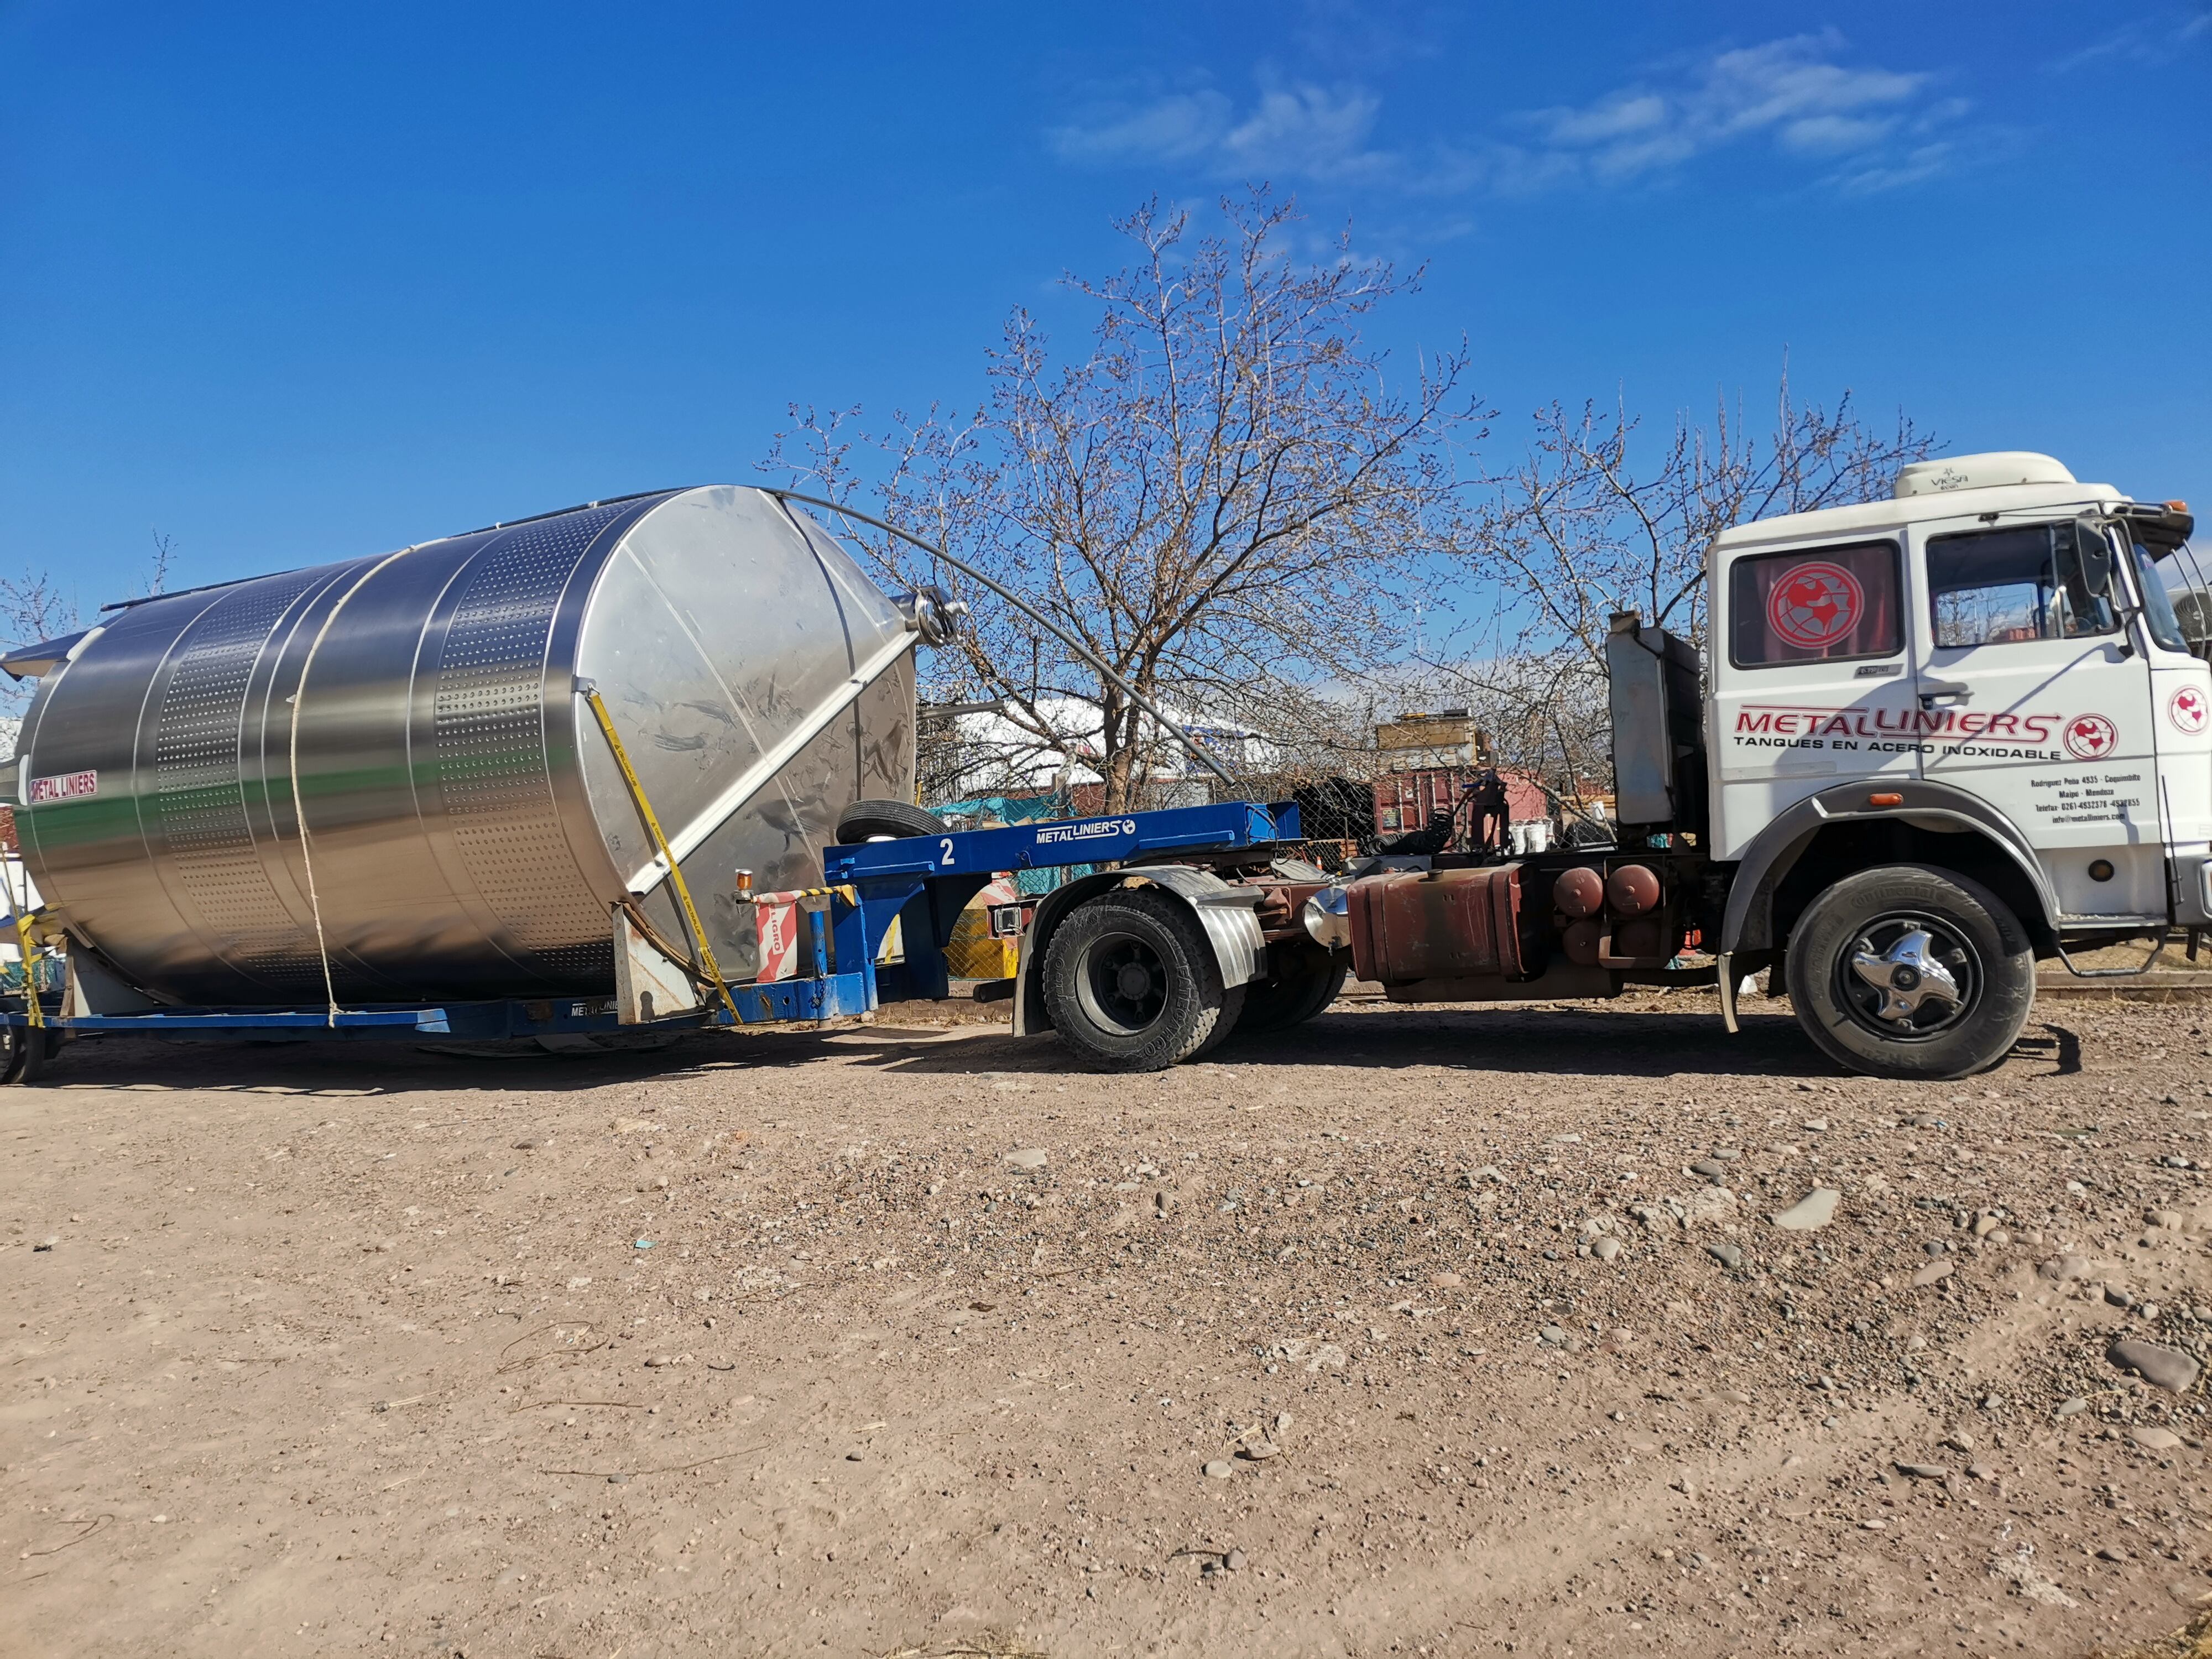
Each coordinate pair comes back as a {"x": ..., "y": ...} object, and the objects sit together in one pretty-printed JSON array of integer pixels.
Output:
[{"x": 874, "y": 820}]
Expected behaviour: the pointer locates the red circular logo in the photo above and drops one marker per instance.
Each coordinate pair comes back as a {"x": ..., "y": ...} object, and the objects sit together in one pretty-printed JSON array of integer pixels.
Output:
[
  {"x": 2089, "y": 736},
  {"x": 2187, "y": 708},
  {"x": 1814, "y": 606}
]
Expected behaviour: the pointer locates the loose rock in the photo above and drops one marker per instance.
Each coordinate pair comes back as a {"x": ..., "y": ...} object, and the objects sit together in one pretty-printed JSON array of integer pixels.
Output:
[
  {"x": 2151, "y": 1438},
  {"x": 1709, "y": 1205},
  {"x": 1934, "y": 1273},
  {"x": 2061, "y": 1268},
  {"x": 1606, "y": 1248},
  {"x": 1220, "y": 1469},
  {"x": 1029, "y": 1157},
  {"x": 2160, "y": 1366},
  {"x": 1811, "y": 1212},
  {"x": 1727, "y": 1255}
]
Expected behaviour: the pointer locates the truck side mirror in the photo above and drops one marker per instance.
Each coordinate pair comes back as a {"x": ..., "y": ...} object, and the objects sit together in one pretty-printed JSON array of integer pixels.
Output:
[{"x": 2095, "y": 555}]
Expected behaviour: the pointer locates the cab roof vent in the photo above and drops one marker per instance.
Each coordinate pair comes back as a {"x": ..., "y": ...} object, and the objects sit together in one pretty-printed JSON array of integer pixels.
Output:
[{"x": 1998, "y": 467}]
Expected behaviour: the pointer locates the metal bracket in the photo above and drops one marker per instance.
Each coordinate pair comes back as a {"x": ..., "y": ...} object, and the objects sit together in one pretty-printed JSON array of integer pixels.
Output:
[{"x": 2151, "y": 962}]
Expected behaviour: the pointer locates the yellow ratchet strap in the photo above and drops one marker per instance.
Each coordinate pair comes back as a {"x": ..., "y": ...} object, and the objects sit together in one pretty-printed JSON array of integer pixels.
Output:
[
  {"x": 660, "y": 841},
  {"x": 38, "y": 1016}
]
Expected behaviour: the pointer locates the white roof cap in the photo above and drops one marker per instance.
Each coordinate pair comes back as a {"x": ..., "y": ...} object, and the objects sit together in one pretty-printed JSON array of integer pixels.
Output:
[{"x": 1998, "y": 467}]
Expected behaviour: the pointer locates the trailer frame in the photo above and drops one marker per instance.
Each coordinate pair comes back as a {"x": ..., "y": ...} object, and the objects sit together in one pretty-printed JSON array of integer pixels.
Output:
[{"x": 920, "y": 882}]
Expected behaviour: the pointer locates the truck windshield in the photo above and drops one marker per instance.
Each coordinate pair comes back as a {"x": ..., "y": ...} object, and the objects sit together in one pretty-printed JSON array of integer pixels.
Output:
[
  {"x": 2003, "y": 587},
  {"x": 2177, "y": 608}
]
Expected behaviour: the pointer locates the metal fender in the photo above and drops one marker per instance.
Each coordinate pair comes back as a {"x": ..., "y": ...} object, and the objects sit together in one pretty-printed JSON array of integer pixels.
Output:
[
  {"x": 1228, "y": 915},
  {"x": 1746, "y": 925}
]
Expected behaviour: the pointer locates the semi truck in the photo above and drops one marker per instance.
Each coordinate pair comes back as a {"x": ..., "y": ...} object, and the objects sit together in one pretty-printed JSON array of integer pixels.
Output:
[
  {"x": 1934, "y": 740},
  {"x": 601, "y": 776}
]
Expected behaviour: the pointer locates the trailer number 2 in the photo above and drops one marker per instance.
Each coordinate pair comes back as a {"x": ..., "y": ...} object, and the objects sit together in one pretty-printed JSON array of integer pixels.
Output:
[{"x": 944, "y": 854}]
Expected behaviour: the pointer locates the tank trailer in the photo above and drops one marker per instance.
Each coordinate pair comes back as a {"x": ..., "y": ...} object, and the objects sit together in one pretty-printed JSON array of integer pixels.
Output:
[{"x": 612, "y": 773}]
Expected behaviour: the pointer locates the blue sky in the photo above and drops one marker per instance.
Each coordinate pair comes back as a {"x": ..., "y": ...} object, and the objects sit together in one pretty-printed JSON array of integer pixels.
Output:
[{"x": 293, "y": 282}]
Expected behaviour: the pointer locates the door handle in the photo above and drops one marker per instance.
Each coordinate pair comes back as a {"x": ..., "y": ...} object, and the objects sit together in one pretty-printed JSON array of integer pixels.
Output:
[{"x": 1934, "y": 691}]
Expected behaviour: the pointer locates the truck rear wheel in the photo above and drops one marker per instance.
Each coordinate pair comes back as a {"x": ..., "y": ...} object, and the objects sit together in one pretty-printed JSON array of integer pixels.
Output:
[
  {"x": 1909, "y": 972},
  {"x": 1131, "y": 984},
  {"x": 1306, "y": 980}
]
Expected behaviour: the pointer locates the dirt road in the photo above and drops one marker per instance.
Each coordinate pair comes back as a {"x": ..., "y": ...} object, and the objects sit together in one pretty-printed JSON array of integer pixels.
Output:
[{"x": 1408, "y": 1333}]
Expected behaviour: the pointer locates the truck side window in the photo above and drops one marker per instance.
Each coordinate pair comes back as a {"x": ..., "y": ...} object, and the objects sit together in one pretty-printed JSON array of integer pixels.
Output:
[
  {"x": 2162, "y": 602},
  {"x": 2186, "y": 585},
  {"x": 1814, "y": 605},
  {"x": 2002, "y": 587}
]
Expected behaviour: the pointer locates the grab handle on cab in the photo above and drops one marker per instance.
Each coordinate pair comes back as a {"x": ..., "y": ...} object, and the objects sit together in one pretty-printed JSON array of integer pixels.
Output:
[{"x": 1934, "y": 691}]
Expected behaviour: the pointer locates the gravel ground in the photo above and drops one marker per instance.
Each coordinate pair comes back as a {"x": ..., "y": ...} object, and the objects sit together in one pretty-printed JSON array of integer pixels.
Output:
[{"x": 1409, "y": 1332}]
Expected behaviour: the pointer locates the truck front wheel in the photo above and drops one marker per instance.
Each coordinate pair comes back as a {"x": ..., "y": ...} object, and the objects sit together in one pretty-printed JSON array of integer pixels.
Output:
[
  {"x": 1131, "y": 984},
  {"x": 1909, "y": 972}
]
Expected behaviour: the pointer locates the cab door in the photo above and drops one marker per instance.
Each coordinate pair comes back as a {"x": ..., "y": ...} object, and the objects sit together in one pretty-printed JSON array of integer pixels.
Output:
[
  {"x": 1816, "y": 687},
  {"x": 2034, "y": 697}
]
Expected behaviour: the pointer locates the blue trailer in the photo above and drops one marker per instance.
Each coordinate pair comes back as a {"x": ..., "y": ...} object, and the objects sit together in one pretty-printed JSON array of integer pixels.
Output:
[{"x": 920, "y": 882}]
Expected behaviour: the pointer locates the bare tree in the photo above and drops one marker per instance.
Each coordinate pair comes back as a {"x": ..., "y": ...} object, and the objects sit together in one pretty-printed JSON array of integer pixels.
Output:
[
  {"x": 1587, "y": 526},
  {"x": 33, "y": 607},
  {"x": 165, "y": 553},
  {"x": 1215, "y": 499}
]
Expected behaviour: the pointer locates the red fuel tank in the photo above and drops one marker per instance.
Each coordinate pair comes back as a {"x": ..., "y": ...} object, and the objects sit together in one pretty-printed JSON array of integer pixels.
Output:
[{"x": 1442, "y": 924}]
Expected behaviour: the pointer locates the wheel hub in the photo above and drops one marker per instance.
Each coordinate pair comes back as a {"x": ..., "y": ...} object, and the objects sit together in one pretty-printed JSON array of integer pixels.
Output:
[
  {"x": 1123, "y": 984},
  {"x": 1907, "y": 974}
]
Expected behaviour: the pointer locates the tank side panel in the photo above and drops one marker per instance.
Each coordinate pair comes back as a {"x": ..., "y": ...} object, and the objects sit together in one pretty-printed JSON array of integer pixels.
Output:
[
  {"x": 161, "y": 685},
  {"x": 204, "y": 818},
  {"x": 489, "y": 734},
  {"x": 393, "y": 922}
]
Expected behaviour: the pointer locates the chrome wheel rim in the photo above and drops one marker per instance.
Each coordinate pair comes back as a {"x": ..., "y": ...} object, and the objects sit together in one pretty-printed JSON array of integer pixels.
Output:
[{"x": 1908, "y": 976}]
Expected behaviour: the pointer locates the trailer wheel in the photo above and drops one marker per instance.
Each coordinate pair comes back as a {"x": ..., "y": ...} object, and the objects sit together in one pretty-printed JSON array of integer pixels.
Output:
[
  {"x": 1131, "y": 983},
  {"x": 876, "y": 820},
  {"x": 33, "y": 1054},
  {"x": 14, "y": 1046},
  {"x": 1306, "y": 980},
  {"x": 1909, "y": 972}
]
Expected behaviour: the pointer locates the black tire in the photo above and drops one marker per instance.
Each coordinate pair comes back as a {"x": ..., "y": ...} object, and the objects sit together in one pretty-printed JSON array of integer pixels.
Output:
[
  {"x": 1878, "y": 1002},
  {"x": 37, "y": 1049},
  {"x": 1306, "y": 980},
  {"x": 1131, "y": 984},
  {"x": 873, "y": 820},
  {"x": 14, "y": 1045}
]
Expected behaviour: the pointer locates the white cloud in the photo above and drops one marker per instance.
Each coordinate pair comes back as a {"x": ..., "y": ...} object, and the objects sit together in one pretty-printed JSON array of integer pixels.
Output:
[
  {"x": 1179, "y": 127},
  {"x": 1296, "y": 129},
  {"x": 1789, "y": 95},
  {"x": 2153, "y": 42},
  {"x": 1797, "y": 99}
]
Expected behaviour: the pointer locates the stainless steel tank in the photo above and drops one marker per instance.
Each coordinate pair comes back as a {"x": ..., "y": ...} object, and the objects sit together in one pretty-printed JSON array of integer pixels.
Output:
[{"x": 466, "y": 825}]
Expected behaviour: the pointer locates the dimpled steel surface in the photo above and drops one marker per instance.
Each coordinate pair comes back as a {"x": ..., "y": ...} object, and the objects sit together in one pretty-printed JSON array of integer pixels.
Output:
[{"x": 468, "y": 826}]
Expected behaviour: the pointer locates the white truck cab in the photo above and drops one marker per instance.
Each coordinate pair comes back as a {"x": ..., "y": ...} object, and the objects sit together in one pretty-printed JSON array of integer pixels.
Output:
[{"x": 1987, "y": 674}]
